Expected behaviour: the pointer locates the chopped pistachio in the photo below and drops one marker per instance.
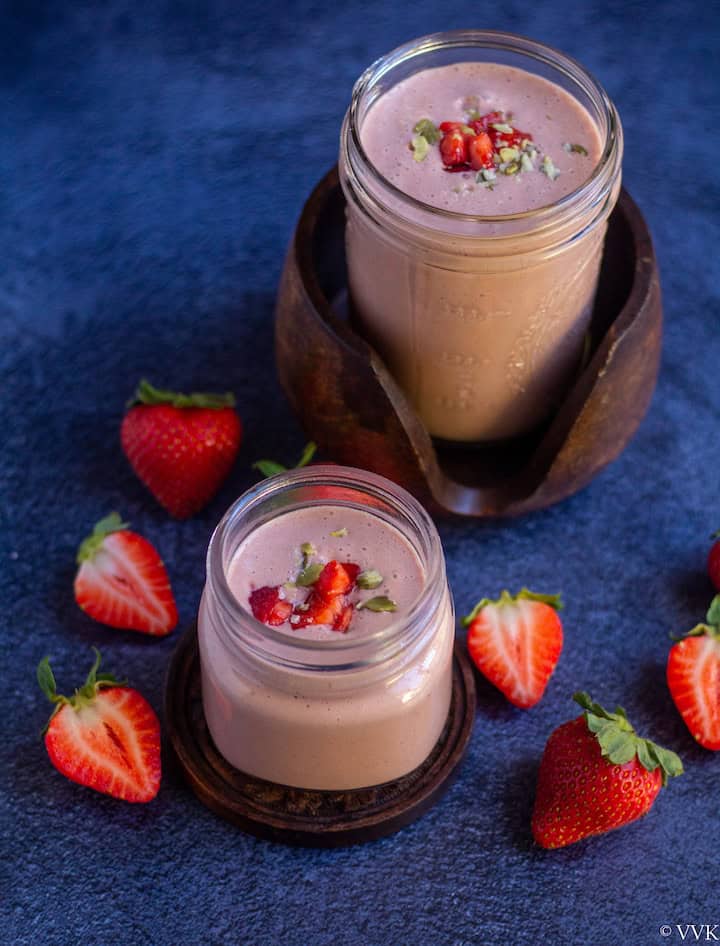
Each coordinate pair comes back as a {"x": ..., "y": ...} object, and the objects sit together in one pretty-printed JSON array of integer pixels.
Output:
[
  {"x": 381, "y": 603},
  {"x": 548, "y": 168},
  {"x": 577, "y": 149},
  {"x": 485, "y": 174},
  {"x": 420, "y": 148},
  {"x": 308, "y": 549},
  {"x": 467, "y": 130},
  {"x": 512, "y": 167},
  {"x": 369, "y": 579},
  {"x": 473, "y": 114},
  {"x": 509, "y": 154},
  {"x": 339, "y": 533},
  {"x": 426, "y": 129},
  {"x": 309, "y": 575},
  {"x": 526, "y": 162},
  {"x": 503, "y": 128}
]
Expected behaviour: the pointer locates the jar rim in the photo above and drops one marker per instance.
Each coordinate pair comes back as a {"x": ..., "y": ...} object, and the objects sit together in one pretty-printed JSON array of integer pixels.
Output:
[
  {"x": 598, "y": 180},
  {"x": 295, "y": 651}
]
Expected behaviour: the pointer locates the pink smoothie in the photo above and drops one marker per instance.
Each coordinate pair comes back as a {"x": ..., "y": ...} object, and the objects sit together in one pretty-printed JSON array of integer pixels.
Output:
[
  {"x": 555, "y": 120},
  {"x": 481, "y": 317},
  {"x": 326, "y": 727},
  {"x": 273, "y": 556}
]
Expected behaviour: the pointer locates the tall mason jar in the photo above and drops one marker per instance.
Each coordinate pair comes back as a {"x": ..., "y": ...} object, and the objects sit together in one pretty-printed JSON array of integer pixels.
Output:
[
  {"x": 345, "y": 713},
  {"x": 482, "y": 320}
]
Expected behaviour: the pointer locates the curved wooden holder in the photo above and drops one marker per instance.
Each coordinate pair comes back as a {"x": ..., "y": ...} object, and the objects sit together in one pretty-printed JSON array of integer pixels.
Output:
[
  {"x": 303, "y": 816},
  {"x": 349, "y": 404}
]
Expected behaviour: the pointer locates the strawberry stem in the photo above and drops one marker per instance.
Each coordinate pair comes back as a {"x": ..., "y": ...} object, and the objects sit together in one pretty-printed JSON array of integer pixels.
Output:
[
  {"x": 151, "y": 396},
  {"x": 620, "y": 743},
  {"x": 91, "y": 545},
  {"x": 554, "y": 601},
  {"x": 84, "y": 695}
]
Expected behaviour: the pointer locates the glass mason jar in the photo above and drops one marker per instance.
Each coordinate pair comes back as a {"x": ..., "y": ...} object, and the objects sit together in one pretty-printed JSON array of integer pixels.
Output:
[
  {"x": 481, "y": 319},
  {"x": 336, "y": 714}
]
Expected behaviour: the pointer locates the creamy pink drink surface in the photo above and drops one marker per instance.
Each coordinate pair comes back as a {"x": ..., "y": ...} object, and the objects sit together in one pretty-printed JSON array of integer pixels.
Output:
[
  {"x": 329, "y": 729},
  {"x": 480, "y": 324}
]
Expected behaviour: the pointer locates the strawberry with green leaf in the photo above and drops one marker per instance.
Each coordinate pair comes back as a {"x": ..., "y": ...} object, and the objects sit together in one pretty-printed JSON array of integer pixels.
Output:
[
  {"x": 516, "y": 642},
  {"x": 182, "y": 446},
  {"x": 271, "y": 467},
  {"x": 105, "y": 736},
  {"x": 596, "y": 774},
  {"x": 693, "y": 677},
  {"x": 121, "y": 580}
]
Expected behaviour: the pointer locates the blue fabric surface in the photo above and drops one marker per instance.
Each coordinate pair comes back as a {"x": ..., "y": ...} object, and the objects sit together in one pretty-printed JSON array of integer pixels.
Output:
[{"x": 154, "y": 160}]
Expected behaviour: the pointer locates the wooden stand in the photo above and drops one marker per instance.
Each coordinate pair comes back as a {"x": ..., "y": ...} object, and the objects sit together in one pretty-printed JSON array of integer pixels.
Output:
[
  {"x": 348, "y": 403},
  {"x": 299, "y": 816}
]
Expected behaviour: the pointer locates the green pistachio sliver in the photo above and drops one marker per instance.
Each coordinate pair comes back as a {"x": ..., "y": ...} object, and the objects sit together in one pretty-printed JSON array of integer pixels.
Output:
[
  {"x": 309, "y": 575},
  {"x": 509, "y": 154},
  {"x": 503, "y": 128},
  {"x": 339, "y": 533},
  {"x": 381, "y": 603},
  {"x": 308, "y": 549},
  {"x": 526, "y": 163},
  {"x": 576, "y": 149},
  {"x": 467, "y": 130},
  {"x": 548, "y": 168},
  {"x": 512, "y": 167},
  {"x": 427, "y": 130},
  {"x": 420, "y": 148},
  {"x": 369, "y": 579}
]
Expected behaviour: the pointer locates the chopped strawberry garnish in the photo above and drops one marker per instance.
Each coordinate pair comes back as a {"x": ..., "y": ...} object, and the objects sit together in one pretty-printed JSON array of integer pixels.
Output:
[
  {"x": 334, "y": 580},
  {"x": 319, "y": 610},
  {"x": 106, "y": 736},
  {"x": 267, "y": 606},
  {"x": 352, "y": 569},
  {"x": 453, "y": 148},
  {"x": 482, "y": 123},
  {"x": 447, "y": 127},
  {"x": 122, "y": 581},
  {"x": 515, "y": 642},
  {"x": 342, "y": 621},
  {"x": 480, "y": 152}
]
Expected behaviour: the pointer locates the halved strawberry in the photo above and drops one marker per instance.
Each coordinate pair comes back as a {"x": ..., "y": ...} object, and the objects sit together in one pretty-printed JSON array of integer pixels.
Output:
[
  {"x": 122, "y": 581},
  {"x": 268, "y": 607},
  {"x": 106, "y": 736},
  {"x": 334, "y": 579},
  {"x": 693, "y": 677},
  {"x": 515, "y": 642}
]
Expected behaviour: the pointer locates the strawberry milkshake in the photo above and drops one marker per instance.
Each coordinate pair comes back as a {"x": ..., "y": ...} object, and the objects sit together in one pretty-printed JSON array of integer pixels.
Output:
[
  {"x": 479, "y": 171},
  {"x": 326, "y": 631}
]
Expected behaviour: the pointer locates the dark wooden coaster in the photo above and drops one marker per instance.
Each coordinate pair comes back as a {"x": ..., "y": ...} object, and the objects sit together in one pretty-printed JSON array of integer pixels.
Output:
[
  {"x": 299, "y": 816},
  {"x": 349, "y": 404}
]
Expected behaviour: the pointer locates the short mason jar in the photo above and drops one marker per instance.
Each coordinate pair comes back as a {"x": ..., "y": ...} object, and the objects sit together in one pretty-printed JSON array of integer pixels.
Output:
[
  {"x": 481, "y": 319},
  {"x": 344, "y": 713}
]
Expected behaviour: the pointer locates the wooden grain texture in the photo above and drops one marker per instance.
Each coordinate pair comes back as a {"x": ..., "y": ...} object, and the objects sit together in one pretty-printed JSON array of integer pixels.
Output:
[
  {"x": 350, "y": 405},
  {"x": 299, "y": 816}
]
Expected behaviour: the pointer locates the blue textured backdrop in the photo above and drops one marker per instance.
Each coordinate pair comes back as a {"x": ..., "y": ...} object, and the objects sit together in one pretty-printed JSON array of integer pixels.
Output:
[{"x": 154, "y": 159}]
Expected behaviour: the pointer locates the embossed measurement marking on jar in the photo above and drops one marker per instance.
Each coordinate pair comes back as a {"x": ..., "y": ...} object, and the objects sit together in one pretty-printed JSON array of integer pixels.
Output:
[
  {"x": 463, "y": 391},
  {"x": 466, "y": 312}
]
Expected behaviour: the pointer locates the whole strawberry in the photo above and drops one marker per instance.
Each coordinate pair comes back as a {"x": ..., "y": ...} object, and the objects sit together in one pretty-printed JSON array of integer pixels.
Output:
[
  {"x": 105, "y": 736},
  {"x": 121, "y": 580},
  {"x": 693, "y": 676},
  {"x": 515, "y": 642},
  {"x": 595, "y": 775},
  {"x": 182, "y": 446},
  {"x": 713, "y": 562}
]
